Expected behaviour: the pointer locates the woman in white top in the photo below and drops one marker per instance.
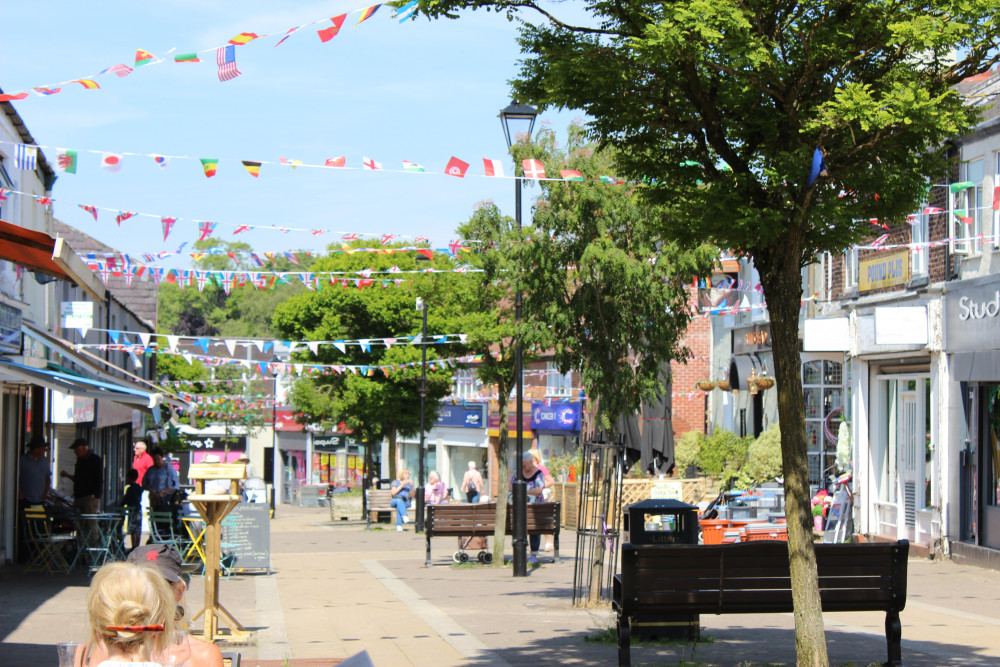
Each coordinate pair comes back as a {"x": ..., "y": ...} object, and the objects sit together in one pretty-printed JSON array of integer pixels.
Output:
[{"x": 130, "y": 613}]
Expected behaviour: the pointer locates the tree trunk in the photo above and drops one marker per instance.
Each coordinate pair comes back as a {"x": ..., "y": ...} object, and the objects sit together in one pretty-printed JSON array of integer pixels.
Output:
[
  {"x": 503, "y": 484},
  {"x": 393, "y": 454},
  {"x": 782, "y": 283}
]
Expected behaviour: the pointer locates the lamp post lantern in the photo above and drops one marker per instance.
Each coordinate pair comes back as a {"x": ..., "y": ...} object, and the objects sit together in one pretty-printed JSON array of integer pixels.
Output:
[
  {"x": 517, "y": 119},
  {"x": 418, "y": 525}
]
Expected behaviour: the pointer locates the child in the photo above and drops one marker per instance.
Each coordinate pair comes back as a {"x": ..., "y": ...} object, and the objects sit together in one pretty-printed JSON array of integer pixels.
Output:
[{"x": 132, "y": 502}]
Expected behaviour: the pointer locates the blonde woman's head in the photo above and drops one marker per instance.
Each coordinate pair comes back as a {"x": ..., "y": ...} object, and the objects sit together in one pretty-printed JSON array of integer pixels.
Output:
[{"x": 123, "y": 600}]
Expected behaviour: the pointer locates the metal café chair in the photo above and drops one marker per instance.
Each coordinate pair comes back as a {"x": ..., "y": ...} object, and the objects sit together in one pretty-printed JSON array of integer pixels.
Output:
[
  {"x": 101, "y": 538},
  {"x": 46, "y": 547}
]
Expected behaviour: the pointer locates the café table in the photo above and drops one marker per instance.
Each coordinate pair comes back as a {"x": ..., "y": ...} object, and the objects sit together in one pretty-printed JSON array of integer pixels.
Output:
[{"x": 101, "y": 539}]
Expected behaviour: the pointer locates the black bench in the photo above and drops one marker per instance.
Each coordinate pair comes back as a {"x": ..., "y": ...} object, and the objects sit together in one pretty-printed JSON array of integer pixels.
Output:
[
  {"x": 658, "y": 582},
  {"x": 478, "y": 520},
  {"x": 378, "y": 500}
]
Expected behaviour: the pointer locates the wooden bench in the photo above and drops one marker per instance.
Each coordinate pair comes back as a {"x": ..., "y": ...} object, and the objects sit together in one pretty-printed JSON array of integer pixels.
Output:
[
  {"x": 379, "y": 500},
  {"x": 478, "y": 520},
  {"x": 659, "y": 582}
]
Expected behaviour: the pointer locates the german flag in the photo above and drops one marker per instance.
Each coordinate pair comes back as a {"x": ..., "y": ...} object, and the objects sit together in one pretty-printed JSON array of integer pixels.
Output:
[
  {"x": 367, "y": 14},
  {"x": 252, "y": 167},
  {"x": 209, "y": 165},
  {"x": 143, "y": 58}
]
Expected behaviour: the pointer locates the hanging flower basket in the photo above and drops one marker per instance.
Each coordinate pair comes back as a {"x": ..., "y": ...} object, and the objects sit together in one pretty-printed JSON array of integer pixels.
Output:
[
  {"x": 764, "y": 382},
  {"x": 723, "y": 385},
  {"x": 705, "y": 385}
]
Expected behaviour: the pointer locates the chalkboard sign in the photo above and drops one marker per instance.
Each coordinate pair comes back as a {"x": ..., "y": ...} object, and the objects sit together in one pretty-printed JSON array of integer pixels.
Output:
[{"x": 246, "y": 536}]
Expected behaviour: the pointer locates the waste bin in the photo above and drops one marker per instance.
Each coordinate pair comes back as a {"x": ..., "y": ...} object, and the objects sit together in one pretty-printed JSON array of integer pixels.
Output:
[{"x": 663, "y": 523}]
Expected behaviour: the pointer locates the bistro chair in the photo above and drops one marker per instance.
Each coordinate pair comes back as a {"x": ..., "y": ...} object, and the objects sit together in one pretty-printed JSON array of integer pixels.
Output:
[
  {"x": 46, "y": 547},
  {"x": 164, "y": 528}
]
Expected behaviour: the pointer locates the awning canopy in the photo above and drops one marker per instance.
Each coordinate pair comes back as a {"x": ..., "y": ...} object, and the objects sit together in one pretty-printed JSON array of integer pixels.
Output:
[
  {"x": 101, "y": 369},
  {"x": 76, "y": 385},
  {"x": 40, "y": 252}
]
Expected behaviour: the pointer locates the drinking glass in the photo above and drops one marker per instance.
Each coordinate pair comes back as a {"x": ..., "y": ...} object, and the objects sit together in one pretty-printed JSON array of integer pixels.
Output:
[{"x": 67, "y": 653}]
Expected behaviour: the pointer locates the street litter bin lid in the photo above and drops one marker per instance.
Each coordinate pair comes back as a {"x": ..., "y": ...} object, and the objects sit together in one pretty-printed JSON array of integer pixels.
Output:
[{"x": 662, "y": 504}]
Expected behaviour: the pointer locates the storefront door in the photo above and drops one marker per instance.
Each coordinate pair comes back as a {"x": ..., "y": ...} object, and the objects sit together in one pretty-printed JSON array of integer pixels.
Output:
[
  {"x": 989, "y": 464},
  {"x": 910, "y": 439}
]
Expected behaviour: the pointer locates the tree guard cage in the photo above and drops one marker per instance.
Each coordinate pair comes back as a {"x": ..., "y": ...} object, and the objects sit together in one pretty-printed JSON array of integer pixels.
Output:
[{"x": 598, "y": 530}]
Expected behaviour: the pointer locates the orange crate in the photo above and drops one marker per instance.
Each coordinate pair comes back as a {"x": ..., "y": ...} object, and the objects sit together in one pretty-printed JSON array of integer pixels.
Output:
[
  {"x": 770, "y": 532},
  {"x": 711, "y": 530}
]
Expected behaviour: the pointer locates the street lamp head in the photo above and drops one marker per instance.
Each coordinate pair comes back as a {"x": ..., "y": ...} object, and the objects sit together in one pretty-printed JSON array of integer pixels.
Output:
[
  {"x": 274, "y": 366},
  {"x": 420, "y": 303},
  {"x": 515, "y": 119}
]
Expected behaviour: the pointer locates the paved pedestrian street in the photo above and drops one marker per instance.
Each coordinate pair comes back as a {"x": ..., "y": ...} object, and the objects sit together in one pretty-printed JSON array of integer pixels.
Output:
[{"x": 337, "y": 589}]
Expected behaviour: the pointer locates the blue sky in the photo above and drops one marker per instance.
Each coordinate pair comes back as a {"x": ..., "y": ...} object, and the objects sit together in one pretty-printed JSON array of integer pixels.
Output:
[{"x": 421, "y": 91}]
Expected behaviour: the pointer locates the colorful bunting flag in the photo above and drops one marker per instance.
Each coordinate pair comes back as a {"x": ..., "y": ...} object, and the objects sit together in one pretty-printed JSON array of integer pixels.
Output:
[
  {"x": 89, "y": 84},
  {"x": 90, "y": 209},
  {"x": 571, "y": 175},
  {"x": 210, "y": 165},
  {"x": 9, "y": 98},
  {"x": 167, "y": 223},
  {"x": 66, "y": 160},
  {"x": 253, "y": 168},
  {"x": 242, "y": 228},
  {"x": 46, "y": 91},
  {"x": 411, "y": 166},
  {"x": 143, "y": 58},
  {"x": 492, "y": 168},
  {"x": 387, "y": 237},
  {"x": 294, "y": 164},
  {"x": 123, "y": 215},
  {"x": 407, "y": 11},
  {"x": 370, "y": 163},
  {"x": 287, "y": 35},
  {"x": 533, "y": 169},
  {"x": 225, "y": 57},
  {"x": 244, "y": 38},
  {"x": 367, "y": 13},
  {"x": 456, "y": 167},
  {"x": 187, "y": 58},
  {"x": 327, "y": 34},
  {"x": 121, "y": 69},
  {"x": 336, "y": 161},
  {"x": 206, "y": 229},
  {"x": 161, "y": 160},
  {"x": 111, "y": 161},
  {"x": 25, "y": 157}
]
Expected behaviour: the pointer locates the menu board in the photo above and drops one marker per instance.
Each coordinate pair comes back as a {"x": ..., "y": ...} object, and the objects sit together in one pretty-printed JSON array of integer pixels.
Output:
[{"x": 246, "y": 535}]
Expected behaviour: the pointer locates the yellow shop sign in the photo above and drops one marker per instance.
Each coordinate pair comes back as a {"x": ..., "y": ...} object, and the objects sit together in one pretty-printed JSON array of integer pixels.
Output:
[{"x": 884, "y": 270}]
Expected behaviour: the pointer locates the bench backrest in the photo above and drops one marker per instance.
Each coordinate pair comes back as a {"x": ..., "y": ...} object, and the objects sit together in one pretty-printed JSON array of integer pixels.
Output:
[
  {"x": 753, "y": 577},
  {"x": 479, "y": 518},
  {"x": 379, "y": 498}
]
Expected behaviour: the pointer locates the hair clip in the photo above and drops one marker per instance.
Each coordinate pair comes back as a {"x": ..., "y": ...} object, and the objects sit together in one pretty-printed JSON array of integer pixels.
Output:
[{"x": 135, "y": 628}]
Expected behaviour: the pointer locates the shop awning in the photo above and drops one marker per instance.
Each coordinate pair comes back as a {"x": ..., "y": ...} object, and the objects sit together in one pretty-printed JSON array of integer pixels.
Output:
[
  {"x": 77, "y": 386},
  {"x": 741, "y": 367},
  {"x": 98, "y": 367},
  {"x": 40, "y": 252}
]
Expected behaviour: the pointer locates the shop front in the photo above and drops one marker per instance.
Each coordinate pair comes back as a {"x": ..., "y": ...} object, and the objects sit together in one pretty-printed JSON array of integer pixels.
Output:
[
  {"x": 972, "y": 325},
  {"x": 457, "y": 438},
  {"x": 337, "y": 460},
  {"x": 748, "y": 410},
  {"x": 557, "y": 426}
]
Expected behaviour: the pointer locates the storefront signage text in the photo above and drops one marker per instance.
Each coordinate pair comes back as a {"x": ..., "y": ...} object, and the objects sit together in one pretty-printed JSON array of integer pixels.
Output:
[
  {"x": 756, "y": 337},
  {"x": 970, "y": 309},
  {"x": 884, "y": 270}
]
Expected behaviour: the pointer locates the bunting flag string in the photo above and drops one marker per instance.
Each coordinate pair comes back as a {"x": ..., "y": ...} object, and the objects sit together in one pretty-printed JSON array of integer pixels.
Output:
[{"x": 225, "y": 53}]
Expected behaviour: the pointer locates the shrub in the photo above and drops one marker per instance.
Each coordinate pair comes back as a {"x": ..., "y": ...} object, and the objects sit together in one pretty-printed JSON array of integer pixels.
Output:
[
  {"x": 687, "y": 451},
  {"x": 763, "y": 459},
  {"x": 722, "y": 454}
]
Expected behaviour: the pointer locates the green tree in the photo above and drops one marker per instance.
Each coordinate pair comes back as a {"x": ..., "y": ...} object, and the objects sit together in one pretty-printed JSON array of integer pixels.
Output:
[
  {"x": 374, "y": 404},
  {"x": 723, "y": 105}
]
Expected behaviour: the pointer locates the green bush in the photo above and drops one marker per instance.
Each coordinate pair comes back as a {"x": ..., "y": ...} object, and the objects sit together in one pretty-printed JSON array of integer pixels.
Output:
[
  {"x": 687, "y": 451},
  {"x": 763, "y": 459},
  {"x": 723, "y": 454}
]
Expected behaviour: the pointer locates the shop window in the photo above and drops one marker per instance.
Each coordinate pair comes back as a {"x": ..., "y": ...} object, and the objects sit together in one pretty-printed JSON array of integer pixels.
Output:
[
  {"x": 557, "y": 384},
  {"x": 966, "y": 210},
  {"x": 928, "y": 447},
  {"x": 823, "y": 392},
  {"x": 919, "y": 237},
  {"x": 851, "y": 269},
  {"x": 991, "y": 494},
  {"x": 467, "y": 384}
]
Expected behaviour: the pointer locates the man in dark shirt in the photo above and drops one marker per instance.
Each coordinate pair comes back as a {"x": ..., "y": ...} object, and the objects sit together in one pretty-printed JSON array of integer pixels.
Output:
[{"x": 88, "y": 478}]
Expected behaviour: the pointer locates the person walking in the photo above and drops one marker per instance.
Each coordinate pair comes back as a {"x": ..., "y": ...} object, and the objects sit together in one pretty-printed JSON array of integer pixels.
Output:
[
  {"x": 472, "y": 484},
  {"x": 87, "y": 478},
  {"x": 160, "y": 481}
]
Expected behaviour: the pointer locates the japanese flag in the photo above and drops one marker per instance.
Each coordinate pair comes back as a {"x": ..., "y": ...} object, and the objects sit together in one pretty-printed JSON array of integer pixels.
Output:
[
  {"x": 456, "y": 167},
  {"x": 493, "y": 167},
  {"x": 111, "y": 161}
]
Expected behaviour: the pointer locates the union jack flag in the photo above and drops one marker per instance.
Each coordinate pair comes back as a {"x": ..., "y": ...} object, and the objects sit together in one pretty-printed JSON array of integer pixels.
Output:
[
  {"x": 121, "y": 69},
  {"x": 880, "y": 241},
  {"x": 350, "y": 237}
]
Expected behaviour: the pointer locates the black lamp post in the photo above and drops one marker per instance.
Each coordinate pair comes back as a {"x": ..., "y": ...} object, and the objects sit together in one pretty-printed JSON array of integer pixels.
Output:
[
  {"x": 274, "y": 368},
  {"x": 418, "y": 526},
  {"x": 515, "y": 119}
]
